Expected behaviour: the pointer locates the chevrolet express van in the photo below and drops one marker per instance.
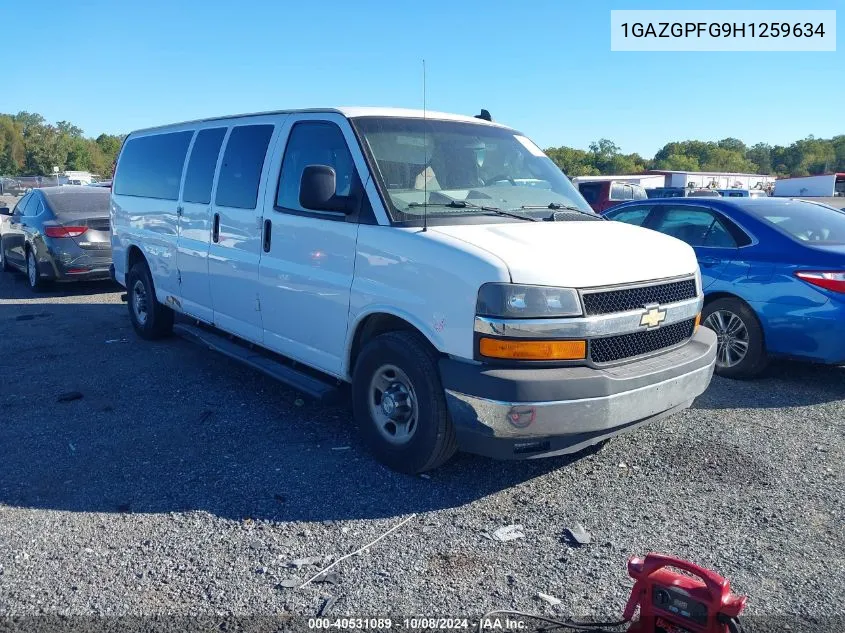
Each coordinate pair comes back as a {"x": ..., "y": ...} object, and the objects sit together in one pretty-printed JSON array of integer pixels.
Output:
[{"x": 441, "y": 265}]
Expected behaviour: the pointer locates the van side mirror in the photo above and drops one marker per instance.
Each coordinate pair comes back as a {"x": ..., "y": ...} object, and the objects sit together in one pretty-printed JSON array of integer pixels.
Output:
[
  {"x": 5, "y": 211},
  {"x": 318, "y": 191}
]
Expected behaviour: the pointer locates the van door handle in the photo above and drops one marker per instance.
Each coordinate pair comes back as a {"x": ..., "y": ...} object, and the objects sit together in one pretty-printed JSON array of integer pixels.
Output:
[
  {"x": 268, "y": 235},
  {"x": 215, "y": 230},
  {"x": 708, "y": 262}
]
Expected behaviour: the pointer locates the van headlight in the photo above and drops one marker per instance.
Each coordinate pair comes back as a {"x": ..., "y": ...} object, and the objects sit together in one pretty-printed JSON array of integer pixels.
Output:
[{"x": 517, "y": 301}]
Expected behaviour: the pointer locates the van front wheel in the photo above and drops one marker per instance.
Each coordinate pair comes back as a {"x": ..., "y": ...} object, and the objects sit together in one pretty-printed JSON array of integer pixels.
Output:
[
  {"x": 150, "y": 319},
  {"x": 399, "y": 403}
]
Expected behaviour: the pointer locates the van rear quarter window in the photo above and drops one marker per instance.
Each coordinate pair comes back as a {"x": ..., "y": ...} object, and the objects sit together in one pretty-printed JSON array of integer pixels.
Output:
[
  {"x": 243, "y": 161},
  {"x": 200, "y": 174},
  {"x": 151, "y": 166}
]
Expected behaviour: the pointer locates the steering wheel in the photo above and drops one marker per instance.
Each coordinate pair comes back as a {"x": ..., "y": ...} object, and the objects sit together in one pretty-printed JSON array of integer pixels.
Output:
[{"x": 500, "y": 177}]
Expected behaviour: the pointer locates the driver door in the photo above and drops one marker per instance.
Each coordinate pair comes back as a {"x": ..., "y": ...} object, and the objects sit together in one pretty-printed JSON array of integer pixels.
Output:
[{"x": 308, "y": 257}]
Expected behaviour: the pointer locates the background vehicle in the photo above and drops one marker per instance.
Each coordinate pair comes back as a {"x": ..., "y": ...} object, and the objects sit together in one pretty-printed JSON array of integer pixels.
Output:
[
  {"x": 742, "y": 193},
  {"x": 11, "y": 187},
  {"x": 681, "y": 192},
  {"x": 773, "y": 272},
  {"x": 442, "y": 265},
  {"x": 604, "y": 194},
  {"x": 824, "y": 186},
  {"x": 666, "y": 192},
  {"x": 58, "y": 234}
]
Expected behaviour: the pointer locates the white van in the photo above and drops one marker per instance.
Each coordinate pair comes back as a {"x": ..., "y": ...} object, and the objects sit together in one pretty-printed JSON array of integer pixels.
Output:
[{"x": 416, "y": 257}]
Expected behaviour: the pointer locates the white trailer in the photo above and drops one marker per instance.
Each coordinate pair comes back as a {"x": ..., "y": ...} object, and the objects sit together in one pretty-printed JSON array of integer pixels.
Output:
[
  {"x": 824, "y": 186},
  {"x": 647, "y": 181}
]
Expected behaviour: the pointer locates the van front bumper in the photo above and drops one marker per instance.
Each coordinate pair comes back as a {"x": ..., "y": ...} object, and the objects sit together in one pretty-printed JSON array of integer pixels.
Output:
[{"x": 528, "y": 413}]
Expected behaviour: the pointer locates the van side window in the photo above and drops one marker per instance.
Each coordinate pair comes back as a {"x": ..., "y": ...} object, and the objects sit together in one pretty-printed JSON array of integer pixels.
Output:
[
  {"x": 200, "y": 174},
  {"x": 151, "y": 166},
  {"x": 314, "y": 143},
  {"x": 243, "y": 161}
]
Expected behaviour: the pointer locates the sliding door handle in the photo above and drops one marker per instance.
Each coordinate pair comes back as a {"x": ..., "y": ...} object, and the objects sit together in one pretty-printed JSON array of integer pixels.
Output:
[
  {"x": 215, "y": 229},
  {"x": 268, "y": 235}
]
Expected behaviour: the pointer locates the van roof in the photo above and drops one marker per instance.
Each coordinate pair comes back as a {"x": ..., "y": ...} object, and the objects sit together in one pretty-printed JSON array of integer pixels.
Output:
[{"x": 348, "y": 112}]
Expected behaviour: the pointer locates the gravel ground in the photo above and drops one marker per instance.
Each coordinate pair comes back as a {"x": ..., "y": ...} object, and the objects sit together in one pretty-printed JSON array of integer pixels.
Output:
[{"x": 181, "y": 483}]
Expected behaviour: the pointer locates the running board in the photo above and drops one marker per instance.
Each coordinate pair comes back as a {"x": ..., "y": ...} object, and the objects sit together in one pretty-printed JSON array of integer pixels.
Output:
[{"x": 265, "y": 363}]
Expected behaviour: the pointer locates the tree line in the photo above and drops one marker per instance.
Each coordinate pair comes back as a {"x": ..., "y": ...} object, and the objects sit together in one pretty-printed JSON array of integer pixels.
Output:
[
  {"x": 806, "y": 157},
  {"x": 29, "y": 146}
]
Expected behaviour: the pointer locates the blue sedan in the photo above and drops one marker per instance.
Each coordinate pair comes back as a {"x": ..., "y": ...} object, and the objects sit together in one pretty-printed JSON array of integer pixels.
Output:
[{"x": 773, "y": 273}]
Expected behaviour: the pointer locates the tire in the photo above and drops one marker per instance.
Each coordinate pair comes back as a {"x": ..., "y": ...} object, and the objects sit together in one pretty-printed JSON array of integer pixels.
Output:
[
  {"x": 36, "y": 283},
  {"x": 150, "y": 319},
  {"x": 737, "y": 327},
  {"x": 402, "y": 365}
]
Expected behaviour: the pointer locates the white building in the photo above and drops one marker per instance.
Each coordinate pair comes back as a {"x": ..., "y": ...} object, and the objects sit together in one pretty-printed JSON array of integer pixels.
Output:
[{"x": 713, "y": 179}]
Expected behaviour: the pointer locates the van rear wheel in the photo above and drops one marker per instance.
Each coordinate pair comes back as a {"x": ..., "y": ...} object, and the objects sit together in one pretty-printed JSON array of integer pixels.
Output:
[
  {"x": 150, "y": 319},
  {"x": 399, "y": 404}
]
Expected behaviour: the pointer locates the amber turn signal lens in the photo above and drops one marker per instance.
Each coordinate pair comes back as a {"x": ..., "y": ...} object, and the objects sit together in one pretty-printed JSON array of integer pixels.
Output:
[
  {"x": 533, "y": 350},
  {"x": 697, "y": 320}
]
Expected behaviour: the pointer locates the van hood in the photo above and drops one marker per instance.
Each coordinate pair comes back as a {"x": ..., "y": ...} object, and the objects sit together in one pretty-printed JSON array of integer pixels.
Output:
[{"x": 579, "y": 254}]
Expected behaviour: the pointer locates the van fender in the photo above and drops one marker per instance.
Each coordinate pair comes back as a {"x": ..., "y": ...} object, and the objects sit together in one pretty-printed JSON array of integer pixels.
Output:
[
  {"x": 428, "y": 330},
  {"x": 151, "y": 260}
]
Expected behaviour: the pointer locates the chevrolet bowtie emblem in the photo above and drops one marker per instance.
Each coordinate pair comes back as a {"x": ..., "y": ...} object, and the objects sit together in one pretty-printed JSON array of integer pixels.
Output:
[{"x": 652, "y": 317}]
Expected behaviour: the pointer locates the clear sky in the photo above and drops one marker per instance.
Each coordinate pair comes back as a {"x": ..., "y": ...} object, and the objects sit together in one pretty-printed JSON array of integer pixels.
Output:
[{"x": 542, "y": 66}]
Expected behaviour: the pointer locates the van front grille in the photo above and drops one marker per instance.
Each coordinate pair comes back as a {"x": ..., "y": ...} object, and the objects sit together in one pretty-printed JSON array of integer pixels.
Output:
[
  {"x": 625, "y": 299},
  {"x": 614, "y": 348}
]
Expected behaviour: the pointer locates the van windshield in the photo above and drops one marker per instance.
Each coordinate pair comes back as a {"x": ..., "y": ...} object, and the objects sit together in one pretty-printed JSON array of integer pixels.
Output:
[{"x": 449, "y": 169}]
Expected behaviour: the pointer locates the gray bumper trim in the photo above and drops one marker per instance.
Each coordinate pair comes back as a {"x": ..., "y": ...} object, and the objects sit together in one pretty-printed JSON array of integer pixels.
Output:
[
  {"x": 585, "y": 415},
  {"x": 595, "y": 403}
]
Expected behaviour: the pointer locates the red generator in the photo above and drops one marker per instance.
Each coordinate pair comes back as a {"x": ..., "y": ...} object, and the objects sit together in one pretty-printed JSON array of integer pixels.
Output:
[{"x": 697, "y": 601}]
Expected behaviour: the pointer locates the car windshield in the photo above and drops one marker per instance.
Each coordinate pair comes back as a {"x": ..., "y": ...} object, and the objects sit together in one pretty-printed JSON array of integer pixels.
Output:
[
  {"x": 449, "y": 168},
  {"x": 805, "y": 222}
]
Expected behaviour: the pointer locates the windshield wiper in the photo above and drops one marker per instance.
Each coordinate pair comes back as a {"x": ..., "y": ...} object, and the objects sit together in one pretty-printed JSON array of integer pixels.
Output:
[
  {"x": 462, "y": 204},
  {"x": 554, "y": 206}
]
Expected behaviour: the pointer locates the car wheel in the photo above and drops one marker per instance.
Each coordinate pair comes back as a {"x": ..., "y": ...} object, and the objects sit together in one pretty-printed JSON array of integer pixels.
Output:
[
  {"x": 36, "y": 283},
  {"x": 399, "y": 404},
  {"x": 150, "y": 319},
  {"x": 741, "y": 348}
]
